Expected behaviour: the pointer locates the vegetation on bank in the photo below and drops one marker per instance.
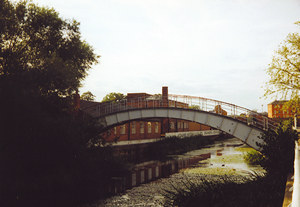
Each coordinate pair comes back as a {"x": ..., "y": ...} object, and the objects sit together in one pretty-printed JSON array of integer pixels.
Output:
[
  {"x": 226, "y": 191},
  {"x": 276, "y": 157},
  {"x": 254, "y": 157}
]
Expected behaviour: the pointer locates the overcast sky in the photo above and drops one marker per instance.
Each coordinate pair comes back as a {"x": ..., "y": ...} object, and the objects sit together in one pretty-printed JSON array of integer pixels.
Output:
[{"x": 217, "y": 49}]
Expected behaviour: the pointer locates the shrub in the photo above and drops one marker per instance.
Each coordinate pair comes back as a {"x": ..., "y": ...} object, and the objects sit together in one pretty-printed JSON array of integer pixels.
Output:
[
  {"x": 279, "y": 148},
  {"x": 254, "y": 190}
]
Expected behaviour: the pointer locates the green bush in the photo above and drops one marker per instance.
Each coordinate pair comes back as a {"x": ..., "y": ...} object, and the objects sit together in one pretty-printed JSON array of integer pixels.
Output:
[{"x": 279, "y": 148}]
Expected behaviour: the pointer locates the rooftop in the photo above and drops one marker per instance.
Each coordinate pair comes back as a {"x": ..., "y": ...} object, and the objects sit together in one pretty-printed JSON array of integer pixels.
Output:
[{"x": 278, "y": 102}]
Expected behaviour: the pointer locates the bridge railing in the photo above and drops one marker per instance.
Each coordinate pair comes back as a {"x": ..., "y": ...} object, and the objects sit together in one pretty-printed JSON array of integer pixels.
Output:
[
  {"x": 223, "y": 108},
  {"x": 189, "y": 102}
]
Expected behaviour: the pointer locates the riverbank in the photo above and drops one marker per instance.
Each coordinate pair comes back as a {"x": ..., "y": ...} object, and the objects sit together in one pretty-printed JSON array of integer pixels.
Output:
[
  {"x": 154, "y": 193},
  {"x": 158, "y": 160},
  {"x": 149, "y": 194}
]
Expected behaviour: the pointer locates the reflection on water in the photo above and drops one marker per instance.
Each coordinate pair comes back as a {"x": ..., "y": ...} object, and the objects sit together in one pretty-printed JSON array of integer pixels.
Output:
[
  {"x": 225, "y": 158},
  {"x": 222, "y": 158}
]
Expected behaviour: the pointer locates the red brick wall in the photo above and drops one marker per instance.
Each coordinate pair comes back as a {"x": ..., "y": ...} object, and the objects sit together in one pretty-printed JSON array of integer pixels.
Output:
[
  {"x": 278, "y": 111},
  {"x": 169, "y": 125},
  {"x": 123, "y": 132}
]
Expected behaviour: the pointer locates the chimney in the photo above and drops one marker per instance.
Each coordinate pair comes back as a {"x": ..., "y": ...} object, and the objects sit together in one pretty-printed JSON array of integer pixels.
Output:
[{"x": 165, "y": 96}]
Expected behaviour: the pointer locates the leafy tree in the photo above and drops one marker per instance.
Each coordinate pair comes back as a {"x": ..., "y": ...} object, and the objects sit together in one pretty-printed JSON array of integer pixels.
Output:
[
  {"x": 113, "y": 97},
  {"x": 284, "y": 70},
  {"x": 87, "y": 96},
  {"x": 40, "y": 51},
  {"x": 44, "y": 156}
]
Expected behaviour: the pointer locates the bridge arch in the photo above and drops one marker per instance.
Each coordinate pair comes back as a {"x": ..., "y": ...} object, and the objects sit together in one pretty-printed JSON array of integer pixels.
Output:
[{"x": 241, "y": 130}]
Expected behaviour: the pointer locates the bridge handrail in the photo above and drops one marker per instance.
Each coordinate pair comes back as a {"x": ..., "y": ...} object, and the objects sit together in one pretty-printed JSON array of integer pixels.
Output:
[
  {"x": 261, "y": 121},
  {"x": 183, "y": 101}
]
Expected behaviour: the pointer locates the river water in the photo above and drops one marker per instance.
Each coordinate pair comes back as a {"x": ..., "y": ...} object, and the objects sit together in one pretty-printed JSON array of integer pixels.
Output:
[{"x": 150, "y": 179}]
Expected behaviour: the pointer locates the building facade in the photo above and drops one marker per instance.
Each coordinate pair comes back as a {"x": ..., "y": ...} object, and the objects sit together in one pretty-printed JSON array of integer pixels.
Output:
[
  {"x": 276, "y": 109},
  {"x": 150, "y": 128}
]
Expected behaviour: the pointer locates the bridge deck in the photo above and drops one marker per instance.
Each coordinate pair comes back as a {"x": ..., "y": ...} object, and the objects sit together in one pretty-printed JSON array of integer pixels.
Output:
[{"x": 185, "y": 102}]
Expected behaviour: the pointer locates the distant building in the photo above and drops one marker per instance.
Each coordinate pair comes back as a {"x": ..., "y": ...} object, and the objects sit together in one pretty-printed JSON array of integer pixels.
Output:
[{"x": 276, "y": 110}]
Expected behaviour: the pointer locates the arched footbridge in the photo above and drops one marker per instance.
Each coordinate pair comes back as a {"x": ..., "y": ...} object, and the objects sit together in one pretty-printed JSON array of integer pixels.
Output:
[{"x": 237, "y": 121}]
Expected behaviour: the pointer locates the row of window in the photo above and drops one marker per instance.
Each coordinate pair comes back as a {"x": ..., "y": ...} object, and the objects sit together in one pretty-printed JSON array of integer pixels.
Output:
[
  {"x": 133, "y": 125},
  {"x": 282, "y": 111},
  {"x": 142, "y": 128},
  {"x": 180, "y": 125}
]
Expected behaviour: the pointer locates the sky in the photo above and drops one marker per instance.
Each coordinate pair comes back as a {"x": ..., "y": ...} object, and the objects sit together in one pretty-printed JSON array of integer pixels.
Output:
[{"x": 218, "y": 49}]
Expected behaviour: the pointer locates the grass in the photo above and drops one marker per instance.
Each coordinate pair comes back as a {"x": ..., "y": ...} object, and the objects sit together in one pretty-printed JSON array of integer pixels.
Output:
[
  {"x": 255, "y": 190},
  {"x": 254, "y": 157},
  {"x": 244, "y": 149},
  {"x": 234, "y": 158},
  {"x": 212, "y": 171},
  {"x": 224, "y": 159}
]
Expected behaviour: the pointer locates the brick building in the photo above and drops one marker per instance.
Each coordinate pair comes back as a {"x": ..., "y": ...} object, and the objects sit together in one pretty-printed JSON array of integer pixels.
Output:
[
  {"x": 277, "y": 110},
  {"x": 150, "y": 128}
]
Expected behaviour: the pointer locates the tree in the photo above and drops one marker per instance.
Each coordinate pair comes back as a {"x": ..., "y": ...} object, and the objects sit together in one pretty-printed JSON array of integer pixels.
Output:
[
  {"x": 87, "y": 96},
  {"x": 41, "y": 51},
  {"x": 42, "y": 62},
  {"x": 278, "y": 148},
  {"x": 113, "y": 97},
  {"x": 284, "y": 70}
]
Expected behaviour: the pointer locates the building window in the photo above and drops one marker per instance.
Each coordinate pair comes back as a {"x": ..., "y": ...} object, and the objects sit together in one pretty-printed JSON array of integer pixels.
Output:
[
  {"x": 133, "y": 127},
  {"x": 142, "y": 127},
  {"x": 185, "y": 125},
  {"x": 156, "y": 127},
  {"x": 179, "y": 125},
  {"x": 149, "y": 127},
  {"x": 171, "y": 103},
  {"x": 172, "y": 125},
  {"x": 122, "y": 129}
]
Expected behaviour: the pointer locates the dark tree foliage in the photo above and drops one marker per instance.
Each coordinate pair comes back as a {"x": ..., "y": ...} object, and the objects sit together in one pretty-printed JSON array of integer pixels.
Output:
[
  {"x": 278, "y": 149},
  {"x": 44, "y": 158}
]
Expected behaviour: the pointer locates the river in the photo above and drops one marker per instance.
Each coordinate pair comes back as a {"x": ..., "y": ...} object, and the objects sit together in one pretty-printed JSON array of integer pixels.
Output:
[{"x": 152, "y": 178}]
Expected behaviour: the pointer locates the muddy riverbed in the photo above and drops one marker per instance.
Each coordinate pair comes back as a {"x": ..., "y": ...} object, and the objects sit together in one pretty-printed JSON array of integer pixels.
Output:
[{"x": 226, "y": 158}]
